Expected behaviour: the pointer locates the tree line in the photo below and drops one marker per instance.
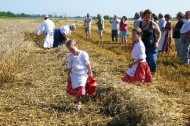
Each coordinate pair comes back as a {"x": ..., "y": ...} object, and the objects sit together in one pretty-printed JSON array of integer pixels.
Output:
[{"x": 10, "y": 14}]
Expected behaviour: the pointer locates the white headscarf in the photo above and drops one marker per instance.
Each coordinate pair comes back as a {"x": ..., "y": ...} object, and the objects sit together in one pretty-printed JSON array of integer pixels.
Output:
[{"x": 72, "y": 26}]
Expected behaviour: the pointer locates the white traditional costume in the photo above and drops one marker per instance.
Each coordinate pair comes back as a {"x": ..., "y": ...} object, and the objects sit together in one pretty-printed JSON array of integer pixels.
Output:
[
  {"x": 48, "y": 27},
  {"x": 79, "y": 72},
  {"x": 139, "y": 72}
]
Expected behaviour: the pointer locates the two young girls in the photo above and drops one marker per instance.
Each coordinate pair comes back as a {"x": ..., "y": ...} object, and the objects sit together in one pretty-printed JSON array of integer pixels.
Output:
[{"x": 79, "y": 68}]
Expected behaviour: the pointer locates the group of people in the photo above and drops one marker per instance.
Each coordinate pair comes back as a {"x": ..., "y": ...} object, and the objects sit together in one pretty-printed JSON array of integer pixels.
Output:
[
  {"x": 146, "y": 41},
  {"x": 116, "y": 26},
  {"x": 179, "y": 32},
  {"x": 156, "y": 37},
  {"x": 88, "y": 23},
  {"x": 54, "y": 36},
  {"x": 181, "y": 35},
  {"x": 139, "y": 71}
]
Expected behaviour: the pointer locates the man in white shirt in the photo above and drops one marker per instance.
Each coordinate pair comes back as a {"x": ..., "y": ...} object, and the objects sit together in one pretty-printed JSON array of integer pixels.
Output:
[
  {"x": 87, "y": 23},
  {"x": 185, "y": 39},
  {"x": 48, "y": 27},
  {"x": 115, "y": 27}
]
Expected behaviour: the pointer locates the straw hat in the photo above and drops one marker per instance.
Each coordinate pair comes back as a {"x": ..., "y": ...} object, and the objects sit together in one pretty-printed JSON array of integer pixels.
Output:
[{"x": 46, "y": 16}]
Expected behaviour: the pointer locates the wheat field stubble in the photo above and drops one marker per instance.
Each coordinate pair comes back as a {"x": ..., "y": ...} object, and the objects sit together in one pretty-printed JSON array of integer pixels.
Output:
[{"x": 33, "y": 82}]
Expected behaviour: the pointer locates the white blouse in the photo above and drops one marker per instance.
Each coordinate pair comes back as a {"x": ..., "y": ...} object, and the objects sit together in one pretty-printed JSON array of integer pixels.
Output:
[
  {"x": 138, "y": 51},
  {"x": 65, "y": 29},
  {"x": 78, "y": 63}
]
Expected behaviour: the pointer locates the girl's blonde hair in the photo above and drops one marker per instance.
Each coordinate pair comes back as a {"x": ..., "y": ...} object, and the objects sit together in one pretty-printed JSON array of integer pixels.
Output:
[
  {"x": 71, "y": 42},
  {"x": 137, "y": 30}
]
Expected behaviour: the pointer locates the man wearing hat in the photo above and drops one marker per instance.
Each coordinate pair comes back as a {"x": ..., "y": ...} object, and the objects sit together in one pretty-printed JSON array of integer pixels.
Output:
[
  {"x": 176, "y": 31},
  {"x": 48, "y": 27},
  {"x": 61, "y": 35},
  {"x": 185, "y": 39}
]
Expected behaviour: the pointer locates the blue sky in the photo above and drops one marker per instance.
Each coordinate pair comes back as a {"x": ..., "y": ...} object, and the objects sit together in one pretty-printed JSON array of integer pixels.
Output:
[{"x": 81, "y": 7}]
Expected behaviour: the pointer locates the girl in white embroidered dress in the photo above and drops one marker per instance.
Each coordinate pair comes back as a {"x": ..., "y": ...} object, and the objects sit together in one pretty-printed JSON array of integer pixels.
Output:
[
  {"x": 79, "y": 70},
  {"x": 138, "y": 70}
]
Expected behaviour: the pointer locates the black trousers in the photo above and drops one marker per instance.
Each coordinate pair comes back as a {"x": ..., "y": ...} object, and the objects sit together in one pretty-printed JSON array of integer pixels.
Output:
[{"x": 114, "y": 35}]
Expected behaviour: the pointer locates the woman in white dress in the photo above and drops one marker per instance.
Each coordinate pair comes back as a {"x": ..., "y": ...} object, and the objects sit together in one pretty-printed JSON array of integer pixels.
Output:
[
  {"x": 79, "y": 70},
  {"x": 165, "y": 41}
]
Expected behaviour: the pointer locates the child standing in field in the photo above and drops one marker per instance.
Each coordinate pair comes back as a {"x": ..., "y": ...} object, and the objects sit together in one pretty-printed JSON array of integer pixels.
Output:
[
  {"x": 138, "y": 71},
  {"x": 79, "y": 70}
]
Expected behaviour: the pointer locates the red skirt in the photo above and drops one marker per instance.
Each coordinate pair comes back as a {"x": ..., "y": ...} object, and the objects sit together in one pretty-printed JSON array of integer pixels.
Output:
[
  {"x": 142, "y": 74},
  {"x": 90, "y": 88},
  {"x": 79, "y": 91}
]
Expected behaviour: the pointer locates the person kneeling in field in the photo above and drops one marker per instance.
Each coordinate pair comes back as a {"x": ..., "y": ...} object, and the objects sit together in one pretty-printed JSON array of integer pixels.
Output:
[
  {"x": 79, "y": 70},
  {"x": 138, "y": 71},
  {"x": 61, "y": 35}
]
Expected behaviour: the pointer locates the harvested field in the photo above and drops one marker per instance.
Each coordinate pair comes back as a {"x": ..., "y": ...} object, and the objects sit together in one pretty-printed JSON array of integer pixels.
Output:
[{"x": 33, "y": 83}]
